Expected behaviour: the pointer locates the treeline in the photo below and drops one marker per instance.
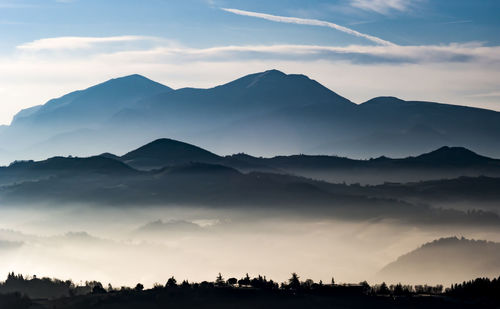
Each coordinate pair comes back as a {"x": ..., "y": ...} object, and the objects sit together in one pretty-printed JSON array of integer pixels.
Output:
[
  {"x": 478, "y": 288},
  {"x": 47, "y": 288},
  {"x": 34, "y": 287}
]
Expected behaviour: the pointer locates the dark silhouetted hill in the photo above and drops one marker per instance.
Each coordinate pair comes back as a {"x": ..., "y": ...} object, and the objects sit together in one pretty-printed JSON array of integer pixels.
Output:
[
  {"x": 445, "y": 162},
  {"x": 23, "y": 171},
  {"x": 166, "y": 152},
  {"x": 103, "y": 181}
]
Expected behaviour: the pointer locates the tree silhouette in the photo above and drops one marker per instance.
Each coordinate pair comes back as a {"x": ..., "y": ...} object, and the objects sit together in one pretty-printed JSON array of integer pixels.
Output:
[
  {"x": 219, "y": 281},
  {"x": 171, "y": 282},
  {"x": 294, "y": 282},
  {"x": 245, "y": 281},
  {"x": 232, "y": 281},
  {"x": 383, "y": 289},
  {"x": 139, "y": 287}
]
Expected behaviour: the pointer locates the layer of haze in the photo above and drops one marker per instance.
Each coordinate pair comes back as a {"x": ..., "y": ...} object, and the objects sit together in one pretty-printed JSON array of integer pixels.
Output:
[{"x": 149, "y": 245}]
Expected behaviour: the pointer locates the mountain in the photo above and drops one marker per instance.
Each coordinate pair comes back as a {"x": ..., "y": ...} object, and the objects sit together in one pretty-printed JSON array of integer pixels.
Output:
[
  {"x": 28, "y": 171},
  {"x": 164, "y": 152},
  {"x": 90, "y": 106},
  {"x": 445, "y": 261},
  {"x": 106, "y": 181},
  {"x": 451, "y": 156},
  {"x": 265, "y": 113},
  {"x": 445, "y": 162},
  {"x": 74, "y": 117}
]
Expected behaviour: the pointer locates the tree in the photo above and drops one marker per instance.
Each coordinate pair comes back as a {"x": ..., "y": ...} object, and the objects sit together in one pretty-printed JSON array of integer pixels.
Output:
[
  {"x": 245, "y": 281},
  {"x": 232, "y": 281},
  {"x": 97, "y": 287},
  {"x": 219, "y": 281},
  {"x": 294, "y": 282},
  {"x": 308, "y": 284},
  {"x": 383, "y": 289},
  {"x": 139, "y": 287},
  {"x": 185, "y": 284},
  {"x": 171, "y": 282}
]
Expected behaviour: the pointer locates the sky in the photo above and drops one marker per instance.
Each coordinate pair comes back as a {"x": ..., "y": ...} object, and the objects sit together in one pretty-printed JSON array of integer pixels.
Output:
[{"x": 445, "y": 51}]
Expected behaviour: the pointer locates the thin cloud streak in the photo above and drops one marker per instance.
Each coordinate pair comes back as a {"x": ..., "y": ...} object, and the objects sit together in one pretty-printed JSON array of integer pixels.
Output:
[
  {"x": 311, "y": 22},
  {"x": 77, "y": 42}
]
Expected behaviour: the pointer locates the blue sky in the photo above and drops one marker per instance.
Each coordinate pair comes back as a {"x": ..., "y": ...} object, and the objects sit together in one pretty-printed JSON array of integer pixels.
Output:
[{"x": 442, "y": 50}]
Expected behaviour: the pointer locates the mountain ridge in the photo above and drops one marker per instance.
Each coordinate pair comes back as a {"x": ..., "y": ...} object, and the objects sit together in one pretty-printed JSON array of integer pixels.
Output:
[
  {"x": 444, "y": 162},
  {"x": 263, "y": 113}
]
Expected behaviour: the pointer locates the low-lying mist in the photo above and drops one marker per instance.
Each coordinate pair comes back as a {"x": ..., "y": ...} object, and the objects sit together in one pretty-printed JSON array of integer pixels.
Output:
[{"x": 150, "y": 244}]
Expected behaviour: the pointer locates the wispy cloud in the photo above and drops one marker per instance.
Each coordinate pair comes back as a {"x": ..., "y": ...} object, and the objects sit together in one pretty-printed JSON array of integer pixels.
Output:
[
  {"x": 311, "y": 22},
  {"x": 383, "y": 6},
  {"x": 164, "y": 49},
  {"x": 59, "y": 43},
  {"x": 459, "y": 53}
]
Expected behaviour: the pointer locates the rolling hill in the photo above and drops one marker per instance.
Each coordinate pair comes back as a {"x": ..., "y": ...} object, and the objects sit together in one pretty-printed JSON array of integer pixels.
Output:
[
  {"x": 445, "y": 261},
  {"x": 107, "y": 181},
  {"x": 445, "y": 162}
]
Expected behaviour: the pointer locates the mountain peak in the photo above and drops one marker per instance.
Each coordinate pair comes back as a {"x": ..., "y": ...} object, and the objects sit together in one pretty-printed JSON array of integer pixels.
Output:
[
  {"x": 273, "y": 72},
  {"x": 93, "y": 104},
  {"x": 274, "y": 85},
  {"x": 453, "y": 156},
  {"x": 135, "y": 80},
  {"x": 163, "y": 152},
  {"x": 384, "y": 100}
]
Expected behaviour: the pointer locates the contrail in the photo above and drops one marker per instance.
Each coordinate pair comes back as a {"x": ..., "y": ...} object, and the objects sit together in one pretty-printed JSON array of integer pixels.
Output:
[{"x": 312, "y": 22}]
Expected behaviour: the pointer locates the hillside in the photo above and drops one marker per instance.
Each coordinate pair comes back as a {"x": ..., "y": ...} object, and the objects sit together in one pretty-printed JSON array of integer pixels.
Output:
[
  {"x": 107, "y": 180},
  {"x": 445, "y": 260},
  {"x": 445, "y": 162}
]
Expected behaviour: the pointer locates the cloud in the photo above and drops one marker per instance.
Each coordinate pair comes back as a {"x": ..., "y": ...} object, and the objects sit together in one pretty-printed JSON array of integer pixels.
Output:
[
  {"x": 78, "y": 42},
  {"x": 311, "y": 22},
  {"x": 383, "y": 6},
  {"x": 470, "y": 52}
]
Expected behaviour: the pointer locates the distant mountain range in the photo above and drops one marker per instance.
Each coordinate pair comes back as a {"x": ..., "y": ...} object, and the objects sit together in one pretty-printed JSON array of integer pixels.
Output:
[
  {"x": 445, "y": 162},
  {"x": 168, "y": 172},
  {"x": 445, "y": 261},
  {"x": 266, "y": 113}
]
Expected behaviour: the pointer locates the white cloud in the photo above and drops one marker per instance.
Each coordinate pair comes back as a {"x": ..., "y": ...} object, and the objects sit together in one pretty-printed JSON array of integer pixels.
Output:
[
  {"x": 311, "y": 22},
  {"x": 470, "y": 52},
  {"x": 78, "y": 42},
  {"x": 383, "y": 6}
]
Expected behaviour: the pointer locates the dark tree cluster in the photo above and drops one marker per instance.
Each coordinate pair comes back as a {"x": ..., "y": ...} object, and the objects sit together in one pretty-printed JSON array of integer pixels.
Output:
[
  {"x": 34, "y": 287},
  {"x": 404, "y": 289},
  {"x": 478, "y": 288}
]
